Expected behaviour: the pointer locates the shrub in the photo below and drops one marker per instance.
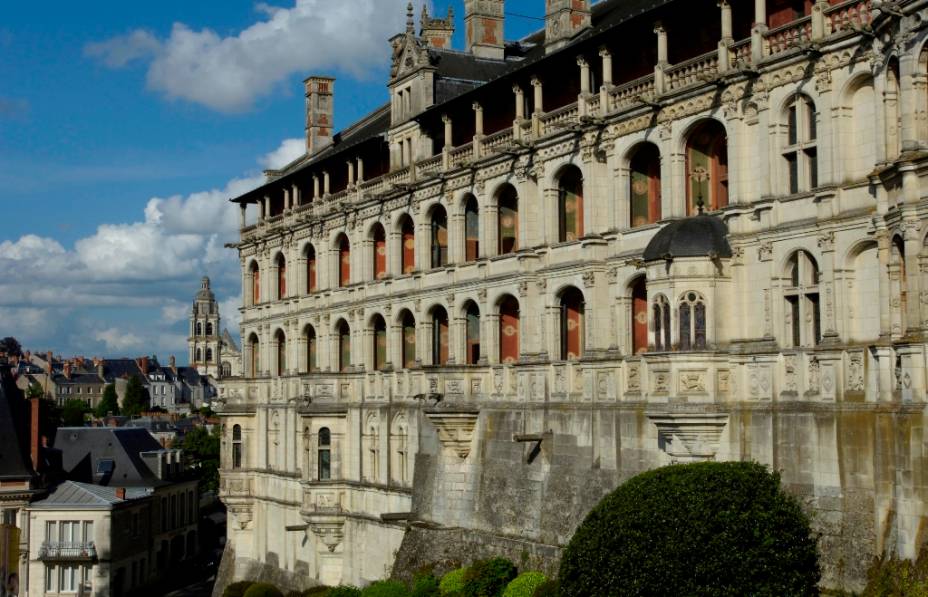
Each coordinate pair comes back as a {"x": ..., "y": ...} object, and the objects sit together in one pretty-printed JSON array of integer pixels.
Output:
[
  {"x": 548, "y": 589},
  {"x": 385, "y": 588},
  {"x": 295, "y": 594},
  {"x": 320, "y": 591},
  {"x": 488, "y": 578},
  {"x": 344, "y": 591},
  {"x": 708, "y": 528},
  {"x": 237, "y": 589},
  {"x": 898, "y": 578},
  {"x": 263, "y": 589},
  {"x": 525, "y": 584},
  {"x": 425, "y": 585},
  {"x": 453, "y": 582}
]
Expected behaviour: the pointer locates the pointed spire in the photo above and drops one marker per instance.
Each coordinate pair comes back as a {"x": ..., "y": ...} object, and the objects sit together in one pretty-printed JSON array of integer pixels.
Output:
[{"x": 410, "y": 22}]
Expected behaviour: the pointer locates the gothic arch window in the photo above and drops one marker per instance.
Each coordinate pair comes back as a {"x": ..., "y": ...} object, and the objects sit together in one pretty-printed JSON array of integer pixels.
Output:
[
  {"x": 399, "y": 437},
  {"x": 379, "y": 238},
  {"x": 281, "y": 277},
  {"x": 570, "y": 204},
  {"x": 800, "y": 150},
  {"x": 324, "y": 454},
  {"x": 408, "y": 324},
  {"x": 254, "y": 350},
  {"x": 372, "y": 462},
  {"x": 692, "y": 321},
  {"x": 508, "y": 330},
  {"x": 209, "y": 329},
  {"x": 639, "y": 315},
  {"x": 573, "y": 310},
  {"x": 344, "y": 346},
  {"x": 281, "y": 341},
  {"x": 660, "y": 320},
  {"x": 344, "y": 261},
  {"x": 227, "y": 369},
  {"x": 199, "y": 331},
  {"x": 408, "y": 240},
  {"x": 508, "y": 201},
  {"x": 439, "y": 237},
  {"x": 707, "y": 167},
  {"x": 440, "y": 335},
  {"x": 644, "y": 185},
  {"x": 379, "y": 327},
  {"x": 472, "y": 332},
  {"x": 801, "y": 293},
  {"x": 236, "y": 446},
  {"x": 311, "y": 350},
  {"x": 471, "y": 229},
  {"x": 209, "y": 355},
  {"x": 312, "y": 269},
  {"x": 255, "y": 275}
]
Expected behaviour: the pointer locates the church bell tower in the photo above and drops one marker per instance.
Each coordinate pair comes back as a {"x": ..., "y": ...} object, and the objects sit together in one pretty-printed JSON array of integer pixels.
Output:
[{"x": 203, "y": 342}]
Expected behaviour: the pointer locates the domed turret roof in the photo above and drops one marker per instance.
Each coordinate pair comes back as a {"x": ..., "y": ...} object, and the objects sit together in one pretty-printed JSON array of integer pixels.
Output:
[
  {"x": 205, "y": 294},
  {"x": 697, "y": 236}
]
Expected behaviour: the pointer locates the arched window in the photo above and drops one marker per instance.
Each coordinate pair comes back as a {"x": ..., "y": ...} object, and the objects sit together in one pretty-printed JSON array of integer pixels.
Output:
[
  {"x": 281, "y": 340},
  {"x": 408, "y": 254},
  {"x": 800, "y": 151},
  {"x": 199, "y": 356},
  {"x": 409, "y": 340},
  {"x": 380, "y": 343},
  {"x": 661, "y": 321},
  {"x": 281, "y": 277},
  {"x": 639, "y": 322},
  {"x": 439, "y": 241},
  {"x": 311, "y": 362},
  {"x": 372, "y": 439},
  {"x": 508, "y": 330},
  {"x": 344, "y": 261},
  {"x": 344, "y": 346},
  {"x": 803, "y": 319},
  {"x": 471, "y": 229},
  {"x": 707, "y": 167},
  {"x": 572, "y": 315},
  {"x": 399, "y": 437},
  {"x": 209, "y": 329},
  {"x": 439, "y": 336},
  {"x": 312, "y": 269},
  {"x": 199, "y": 331},
  {"x": 508, "y": 220},
  {"x": 472, "y": 315},
  {"x": 324, "y": 451},
  {"x": 570, "y": 204},
  {"x": 255, "y": 283},
  {"x": 227, "y": 369},
  {"x": 254, "y": 356},
  {"x": 209, "y": 355},
  {"x": 692, "y": 322},
  {"x": 237, "y": 446},
  {"x": 379, "y": 236},
  {"x": 645, "y": 185}
]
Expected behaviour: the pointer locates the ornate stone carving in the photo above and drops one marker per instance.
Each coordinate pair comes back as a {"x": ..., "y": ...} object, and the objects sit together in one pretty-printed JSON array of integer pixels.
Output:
[
  {"x": 689, "y": 437},
  {"x": 791, "y": 383},
  {"x": 723, "y": 381},
  {"x": 660, "y": 382},
  {"x": 455, "y": 430},
  {"x": 692, "y": 382},
  {"x": 765, "y": 251},
  {"x": 855, "y": 373},
  {"x": 589, "y": 279},
  {"x": 633, "y": 383},
  {"x": 815, "y": 375}
]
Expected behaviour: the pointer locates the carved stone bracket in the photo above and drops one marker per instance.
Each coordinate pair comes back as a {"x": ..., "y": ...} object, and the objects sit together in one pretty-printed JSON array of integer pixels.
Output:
[
  {"x": 330, "y": 529},
  {"x": 689, "y": 437},
  {"x": 455, "y": 430}
]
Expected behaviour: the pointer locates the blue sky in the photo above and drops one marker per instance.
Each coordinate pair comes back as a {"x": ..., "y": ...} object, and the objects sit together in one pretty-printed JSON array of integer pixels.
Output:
[{"x": 125, "y": 126}]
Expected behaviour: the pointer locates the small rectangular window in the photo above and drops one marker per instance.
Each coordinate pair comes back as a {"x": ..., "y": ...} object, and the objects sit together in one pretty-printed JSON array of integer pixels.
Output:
[
  {"x": 793, "y": 133},
  {"x": 795, "y": 320},
  {"x": 49, "y": 579},
  {"x": 811, "y": 115}
]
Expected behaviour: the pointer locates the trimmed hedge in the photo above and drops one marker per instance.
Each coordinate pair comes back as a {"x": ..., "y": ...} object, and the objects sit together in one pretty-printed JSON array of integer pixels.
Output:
[
  {"x": 708, "y": 528},
  {"x": 385, "y": 588},
  {"x": 488, "y": 578},
  {"x": 548, "y": 589},
  {"x": 263, "y": 589},
  {"x": 453, "y": 582},
  {"x": 525, "y": 584},
  {"x": 237, "y": 589}
]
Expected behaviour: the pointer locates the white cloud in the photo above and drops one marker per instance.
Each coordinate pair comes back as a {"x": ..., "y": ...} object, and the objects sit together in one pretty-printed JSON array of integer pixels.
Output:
[
  {"x": 228, "y": 73},
  {"x": 118, "y": 340},
  {"x": 288, "y": 151}
]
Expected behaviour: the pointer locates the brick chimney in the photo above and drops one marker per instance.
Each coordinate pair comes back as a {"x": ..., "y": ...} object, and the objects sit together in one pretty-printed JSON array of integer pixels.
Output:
[
  {"x": 67, "y": 369},
  {"x": 564, "y": 19},
  {"x": 320, "y": 112},
  {"x": 483, "y": 26},
  {"x": 142, "y": 362},
  {"x": 172, "y": 362},
  {"x": 437, "y": 32},
  {"x": 120, "y": 493},
  {"x": 48, "y": 361}
]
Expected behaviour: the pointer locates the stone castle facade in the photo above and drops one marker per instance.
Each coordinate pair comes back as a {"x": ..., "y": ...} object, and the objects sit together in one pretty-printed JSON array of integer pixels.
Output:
[{"x": 654, "y": 232}]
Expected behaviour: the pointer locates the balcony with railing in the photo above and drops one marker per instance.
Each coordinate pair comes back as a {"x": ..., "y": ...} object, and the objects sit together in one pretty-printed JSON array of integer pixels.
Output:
[
  {"x": 695, "y": 71},
  {"x": 68, "y": 551}
]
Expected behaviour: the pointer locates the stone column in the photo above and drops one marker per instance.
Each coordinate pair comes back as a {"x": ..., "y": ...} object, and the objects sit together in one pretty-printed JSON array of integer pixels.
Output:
[
  {"x": 538, "y": 108},
  {"x": 315, "y": 187},
  {"x": 456, "y": 240},
  {"x": 296, "y": 195},
  {"x": 913, "y": 277},
  {"x": 727, "y": 39},
  {"x": 394, "y": 253},
  {"x": 584, "y": 85},
  {"x": 326, "y": 186},
  {"x": 818, "y": 20},
  {"x": 449, "y": 139},
  {"x": 826, "y": 243},
  {"x": 242, "y": 207},
  {"x": 604, "y": 89},
  {"x": 520, "y": 111},
  {"x": 883, "y": 248},
  {"x": 350, "y": 165},
  {"x": 360, "y": 166},
  {"x": 660, "y": 84},
  {"x": 758, "y": 50},
  {"x": 911, "y": 81},
  {"x": 286, "y": 199},
  {"x": 489, "y": 341},
  {"x": 478, "y": 128}
]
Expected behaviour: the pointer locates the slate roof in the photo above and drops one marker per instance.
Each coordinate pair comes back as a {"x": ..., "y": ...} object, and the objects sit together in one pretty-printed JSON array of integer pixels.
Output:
[
  {"x": 83, "y": 449},
  {"x": 698, "y": 236},
  {"x": 120, "y": 368},
  {"x": 15, "y": 461},
  {"x": 229, "y": 341},
  {"x": 79, "y": 378},
  {"x": 86, "y": 496}
]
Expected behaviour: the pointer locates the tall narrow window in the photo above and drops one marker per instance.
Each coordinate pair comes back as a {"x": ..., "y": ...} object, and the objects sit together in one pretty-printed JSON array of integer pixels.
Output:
[
  {"x": 199, "y": 355},
  {"x": 661, "y": 323},
  {"x": 409, "y": 340},
  {"x": 439, "y": 237},
  {"x": 237, "y": 446},
  {"x": 281, "y": 277},
  {"x": 707, "y": 167},
  {"x": 255, "y": 350},
  {"x": 439, "y": 336},
  {"x": 408, "y": 254},
  {"x": 344, "y": 261},
  {"x": 692, "y": 322},
  {"x": 380, "y": 252},
  {"x": 311, "y": 269},
  {"x": 471, "y": 229},
  {"x": 209, "y": 355},
  {"x": 572, "y": 315},
  {"x": 508, "y": 330},
  {"x": 570, "y": 205},
  {"x": 311, "y": 363},
  {"x": 199, "y": 329},
  {"x": 800, "y": 151},
  {"x": 380, "y": 343},
  {"x": 645, "y": 185},
  {"x": 209, "y": 329},
  {"x": 281, "y": 341},
  {"x": 255, "y": 283},
  {"x": 639, "y": 323},
  {"x": 344, "y": 346},
  {"x": 472, "y": 314},
  {"x": 508, "y": 220},
  {"x": 324, "y": 453},
  {"x": 803, "y": 320}
]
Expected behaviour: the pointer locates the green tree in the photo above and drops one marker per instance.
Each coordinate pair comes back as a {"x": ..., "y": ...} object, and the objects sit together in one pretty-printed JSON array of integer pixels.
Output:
[
  {"x": 72, "y": 415},
  {"x": 201, "y": 449},
  {"x": 11, "y": 346},
  {"x": 35, "y": 391},
  {"x": 136, "y": 399},
  {"x": 109, "y": 403}
]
